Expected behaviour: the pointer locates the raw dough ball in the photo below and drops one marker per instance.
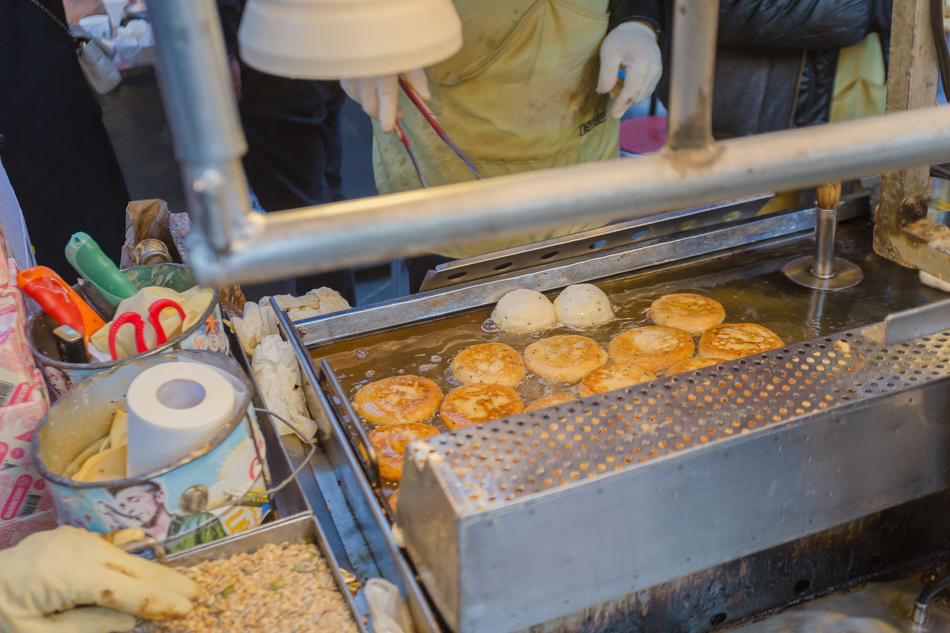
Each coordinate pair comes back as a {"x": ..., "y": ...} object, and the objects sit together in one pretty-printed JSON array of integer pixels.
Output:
[
  {"x": 523, "y": 312},
  {"x": 583, "y": 306}
]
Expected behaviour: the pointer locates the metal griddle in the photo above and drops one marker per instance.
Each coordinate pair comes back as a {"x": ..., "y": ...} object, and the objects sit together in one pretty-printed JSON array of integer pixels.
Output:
[{"x": 618, "y": 512}]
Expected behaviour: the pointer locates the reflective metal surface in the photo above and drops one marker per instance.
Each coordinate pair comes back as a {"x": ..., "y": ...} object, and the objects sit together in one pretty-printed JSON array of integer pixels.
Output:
[
  {"x": 622, "y": 235},
  {"x": 910, "y": 324},
  {"x": 582, "y": 503},
  {"x": 745, "y": 236},
  {"x": 342, "y": 495},
  {"x": 695, "y": 26},
  {"x": 843, "y": 274}
]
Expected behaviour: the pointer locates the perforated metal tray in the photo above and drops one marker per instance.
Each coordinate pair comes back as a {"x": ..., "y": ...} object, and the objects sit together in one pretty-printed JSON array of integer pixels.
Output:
[{"x": 543, "y": 516}]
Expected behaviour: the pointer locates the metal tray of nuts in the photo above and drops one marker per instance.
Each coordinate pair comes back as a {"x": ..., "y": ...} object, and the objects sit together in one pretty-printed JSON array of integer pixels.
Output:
[{"x": 301, "y": 528}]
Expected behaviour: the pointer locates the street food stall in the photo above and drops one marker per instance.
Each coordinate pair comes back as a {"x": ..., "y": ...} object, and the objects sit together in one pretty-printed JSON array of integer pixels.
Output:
[{"x": 698, "y": 417}]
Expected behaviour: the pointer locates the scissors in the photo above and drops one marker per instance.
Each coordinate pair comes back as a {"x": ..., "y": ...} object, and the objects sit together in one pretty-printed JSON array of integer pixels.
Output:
[
  {"x": 434, "y": 123},
  {"x": 154, "y": 312}
]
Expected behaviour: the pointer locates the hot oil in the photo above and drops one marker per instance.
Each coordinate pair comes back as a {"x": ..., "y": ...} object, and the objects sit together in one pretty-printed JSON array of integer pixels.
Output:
[{"x": 751, "y": 288}]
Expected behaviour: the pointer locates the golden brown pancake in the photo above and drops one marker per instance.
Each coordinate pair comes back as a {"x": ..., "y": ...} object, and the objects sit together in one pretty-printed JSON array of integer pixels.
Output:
[
  {"x": 652, "y": 347},
  {"x": 611, "y": 378},
  {"x": 550, "y": 401},
  {"x": 565, "y": 358},
  {"x": 692, "y": 364},
  {"x": 488, "y": 363},
  {"x": 477, "y": 404},
  {"x": 399, "y": 399},
  {"x": 687, "y": 311},
  {"x": 390, "y": 444},
  {"x": 735, "y": 340}
]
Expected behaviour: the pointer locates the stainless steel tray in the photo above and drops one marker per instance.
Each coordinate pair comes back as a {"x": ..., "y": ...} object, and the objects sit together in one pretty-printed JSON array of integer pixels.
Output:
[
  {"x": 482, "y": 581},
  {"x": 296, "y": 529}
]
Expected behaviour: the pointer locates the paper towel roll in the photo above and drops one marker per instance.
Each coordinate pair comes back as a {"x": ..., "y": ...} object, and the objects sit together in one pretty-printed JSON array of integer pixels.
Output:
[{"x": 174, "y": 409}]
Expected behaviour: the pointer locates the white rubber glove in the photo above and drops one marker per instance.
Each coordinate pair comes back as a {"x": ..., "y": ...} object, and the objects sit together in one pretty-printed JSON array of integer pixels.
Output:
[
  {"x": 631, "y": 46},
  {"x": 379, "y": 96},
  {"x": 47, "y": 574}
]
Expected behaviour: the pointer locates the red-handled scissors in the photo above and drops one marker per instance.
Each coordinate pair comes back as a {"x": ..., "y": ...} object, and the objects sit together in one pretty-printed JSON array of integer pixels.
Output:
[{"x": 154, "y": 312}]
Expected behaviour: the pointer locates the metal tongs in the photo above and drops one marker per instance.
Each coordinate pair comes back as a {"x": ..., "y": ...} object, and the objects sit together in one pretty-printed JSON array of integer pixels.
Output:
[{"x": 434, "y": 123}]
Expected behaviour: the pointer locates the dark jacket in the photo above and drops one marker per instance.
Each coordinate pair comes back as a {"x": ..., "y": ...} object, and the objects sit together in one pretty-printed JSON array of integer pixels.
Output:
[
  {"x": 57, "y": 152},
  {"x": 776, "y": 61}
]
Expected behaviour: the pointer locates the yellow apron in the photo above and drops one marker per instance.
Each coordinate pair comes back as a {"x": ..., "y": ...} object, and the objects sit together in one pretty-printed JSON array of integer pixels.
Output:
[
  {"x": 860, "y": 91},
  {"x": 860, "y": 88},
  {"x": 519, "y": 96}
]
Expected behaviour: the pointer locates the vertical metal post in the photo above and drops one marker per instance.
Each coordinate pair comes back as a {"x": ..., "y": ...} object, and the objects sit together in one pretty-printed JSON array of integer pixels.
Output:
[
  {"x": 911, "y": 84},
  {"x": 202, "y": 115},
  {"x": 695, "y": 28},
  {"x": 826, "y": 226}
]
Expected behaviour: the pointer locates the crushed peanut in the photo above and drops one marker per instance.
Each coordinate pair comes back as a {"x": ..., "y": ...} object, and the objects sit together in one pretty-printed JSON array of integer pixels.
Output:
[{"x": 283, "y": 588}]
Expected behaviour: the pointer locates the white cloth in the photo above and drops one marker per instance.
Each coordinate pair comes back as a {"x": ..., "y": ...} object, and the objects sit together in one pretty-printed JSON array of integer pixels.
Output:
[
  {"x": 379, "y": 96},
  {"x": 49, "y": 573},
  {"x": 278, "y": 376},
  {"x": 387, "y": 608},
  {"x": 260, "y": 321},
  {"x": 633, "y": 47}
]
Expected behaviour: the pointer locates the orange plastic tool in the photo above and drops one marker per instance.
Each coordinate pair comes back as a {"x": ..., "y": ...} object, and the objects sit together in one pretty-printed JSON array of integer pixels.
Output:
[{"x": 58, "y": 300}]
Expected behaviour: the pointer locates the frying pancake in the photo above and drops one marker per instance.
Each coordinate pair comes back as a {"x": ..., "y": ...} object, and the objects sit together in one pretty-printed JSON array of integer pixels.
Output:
[
  {"x": 686, "y": 311},
  {"x": 566, "y": 358},
  {"x": 489, "y": 363},
  {"x": 390, "y": 444},
  {"x": 550, "y": 401},
  {"x": 399, "y": 399},
  {"x": 735, "y": 340},
  {"x": 651, "y": 347},
  {"x": 582, "y": 306},
  {"x": 477, "y": 404},
  {"x": 612, "y": 377},
  {"x": 524, "y": 311},
  {"x": 692, "y": 364}
]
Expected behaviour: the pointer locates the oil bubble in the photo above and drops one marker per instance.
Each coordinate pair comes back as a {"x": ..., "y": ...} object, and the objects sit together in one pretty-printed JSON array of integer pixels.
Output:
[
  {"x": 490, "y": 326},
  {"x": 435, "y": 359},
  {"x": 362, "y": 353},
  {"x": 370, "y": 373}
]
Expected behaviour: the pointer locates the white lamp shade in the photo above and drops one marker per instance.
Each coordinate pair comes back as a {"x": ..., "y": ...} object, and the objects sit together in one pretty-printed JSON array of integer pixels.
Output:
[{"x": 332, "y": 39}]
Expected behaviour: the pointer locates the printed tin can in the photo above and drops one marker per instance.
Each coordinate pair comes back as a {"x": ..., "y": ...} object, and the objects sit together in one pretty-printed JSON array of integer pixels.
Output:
[{"x": 182, "y": 505}]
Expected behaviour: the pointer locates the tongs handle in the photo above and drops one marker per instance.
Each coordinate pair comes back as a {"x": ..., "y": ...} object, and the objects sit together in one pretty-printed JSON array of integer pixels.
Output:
[
  {"x": 434, "y": 123},
  {"x": 401, "y": 135},
  {"x": 369, "y": 452}
]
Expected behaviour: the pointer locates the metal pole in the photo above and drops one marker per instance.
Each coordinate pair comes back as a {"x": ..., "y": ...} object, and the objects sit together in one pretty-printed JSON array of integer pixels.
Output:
[
  {"x": 695, "y": 27},
  {"x": 827, "y": 224},
  {"x": 388, "y": 227},
  {"x": 911, "y": 83},
  {"x": 202, "y": 115}
]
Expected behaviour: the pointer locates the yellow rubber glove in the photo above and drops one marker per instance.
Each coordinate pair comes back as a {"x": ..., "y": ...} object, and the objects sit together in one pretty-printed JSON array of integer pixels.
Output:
[
  {"x": 47, "y": 574},
  {"x": 379, "y": 96}
]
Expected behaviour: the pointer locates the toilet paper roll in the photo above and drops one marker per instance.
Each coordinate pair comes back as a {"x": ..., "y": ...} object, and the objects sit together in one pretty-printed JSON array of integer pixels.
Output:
[{"x": 174, "y": 409}]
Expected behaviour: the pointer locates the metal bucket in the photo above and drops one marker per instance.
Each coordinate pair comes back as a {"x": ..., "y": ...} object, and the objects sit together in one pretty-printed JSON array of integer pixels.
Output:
[
  {"x": 214, "y": 492},
  {"x": 207, "y": 334}
]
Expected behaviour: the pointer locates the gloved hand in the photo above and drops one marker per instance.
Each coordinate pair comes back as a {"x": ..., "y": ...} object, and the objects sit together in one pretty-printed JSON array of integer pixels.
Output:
[
  {"x": 379, "y": 96},
  {"x": 49, "y": 573},
  {"x": 631, "y": 46}
]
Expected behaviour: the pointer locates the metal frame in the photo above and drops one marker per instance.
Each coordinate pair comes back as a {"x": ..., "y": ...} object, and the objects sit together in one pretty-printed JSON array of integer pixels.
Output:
[
  {"x": 903, "y": 232},
  {"x": 230, "y": 243},
  {"x": 713, "y": 241}
]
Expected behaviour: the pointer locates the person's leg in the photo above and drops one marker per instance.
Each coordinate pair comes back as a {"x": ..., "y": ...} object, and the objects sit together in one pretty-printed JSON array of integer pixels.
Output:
[
  {"x": 335, "y": 98},
  {"x": 292, "y": 142}
]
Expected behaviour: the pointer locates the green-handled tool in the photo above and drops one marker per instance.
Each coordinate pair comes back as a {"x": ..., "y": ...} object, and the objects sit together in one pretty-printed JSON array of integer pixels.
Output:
[{"x": 90, "y": 262}]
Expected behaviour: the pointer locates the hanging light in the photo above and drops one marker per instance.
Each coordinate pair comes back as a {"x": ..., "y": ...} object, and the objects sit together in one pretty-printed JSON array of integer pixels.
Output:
[{"x": 331, "y": 39}]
